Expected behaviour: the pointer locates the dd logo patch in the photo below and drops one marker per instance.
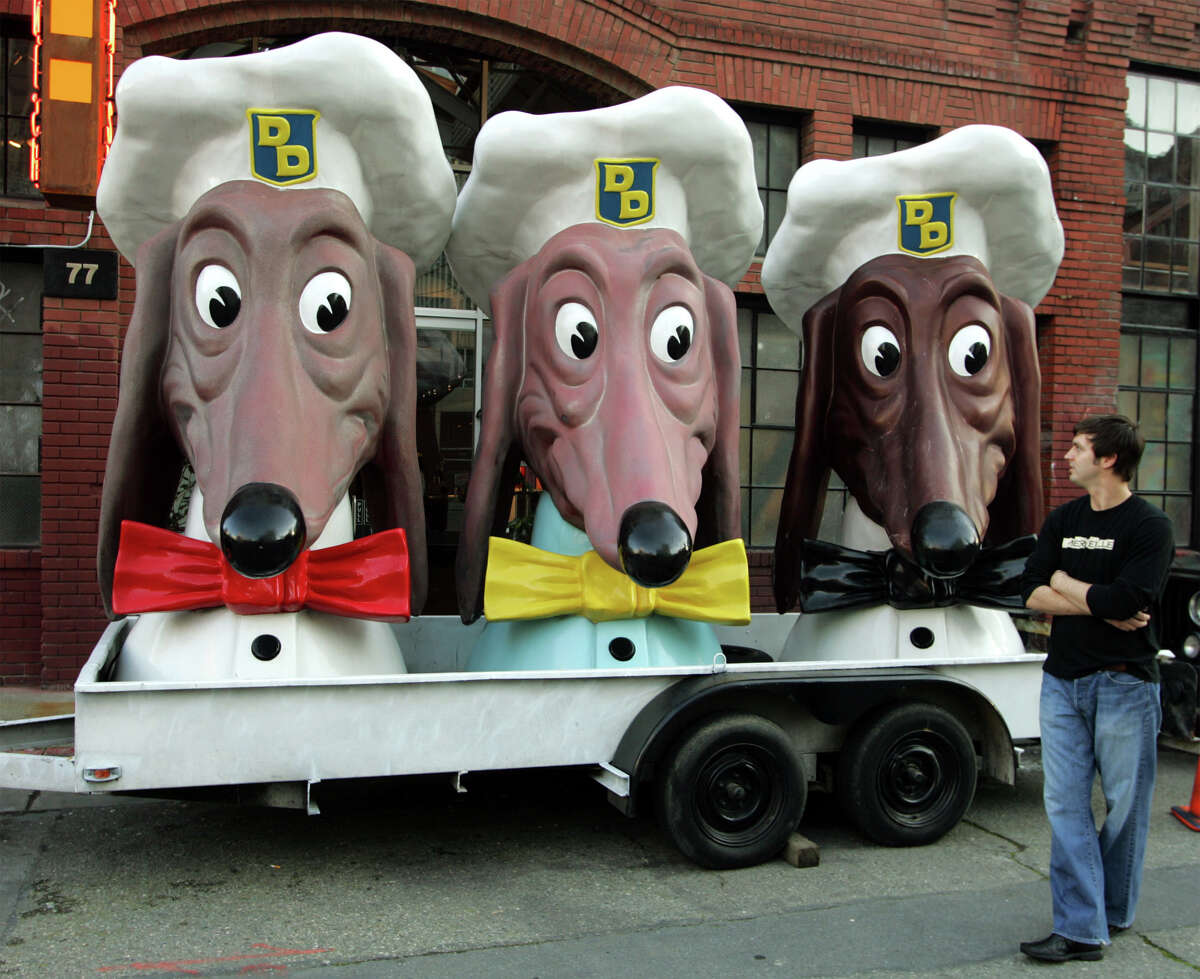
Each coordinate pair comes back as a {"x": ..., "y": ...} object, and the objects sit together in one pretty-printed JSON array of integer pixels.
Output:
[
  {"x": 625, "y": 191},
  {"x": 926, "y": 223},
  {"x": 283, "y": 145}
]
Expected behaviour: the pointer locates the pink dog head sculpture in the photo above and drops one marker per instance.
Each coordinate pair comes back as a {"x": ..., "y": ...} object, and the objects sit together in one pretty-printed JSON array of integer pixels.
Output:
[
  {"x": 272, "y": 345},
  {"x": 276, "y": 206},
  {"x": 616, "y": 371},
  {"x": 606, "y": 242}
]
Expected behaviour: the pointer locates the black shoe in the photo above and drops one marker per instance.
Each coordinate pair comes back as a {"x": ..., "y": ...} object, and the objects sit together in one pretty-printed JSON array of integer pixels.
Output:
[{"x": 1055, "y": 948}]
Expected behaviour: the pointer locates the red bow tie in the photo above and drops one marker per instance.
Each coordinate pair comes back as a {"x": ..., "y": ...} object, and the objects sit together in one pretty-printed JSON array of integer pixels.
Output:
[{"x": 161, "y": 571}]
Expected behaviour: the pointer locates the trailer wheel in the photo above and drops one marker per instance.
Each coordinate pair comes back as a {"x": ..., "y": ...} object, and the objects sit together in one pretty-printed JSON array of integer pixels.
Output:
[
  {"x": 907, "y": 775},
  {"x": 732, "y": 791}
]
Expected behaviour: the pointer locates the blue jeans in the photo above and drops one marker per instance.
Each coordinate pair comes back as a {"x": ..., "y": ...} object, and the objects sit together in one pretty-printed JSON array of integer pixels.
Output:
[{"x": 1105, "y": 722}]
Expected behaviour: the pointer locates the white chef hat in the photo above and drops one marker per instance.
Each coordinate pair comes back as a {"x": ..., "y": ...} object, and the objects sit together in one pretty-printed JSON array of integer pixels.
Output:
[
  {"x": 677, "y": 158},
  {"x": 333, "y": 111},
  {"x": 979, "y": 190}
]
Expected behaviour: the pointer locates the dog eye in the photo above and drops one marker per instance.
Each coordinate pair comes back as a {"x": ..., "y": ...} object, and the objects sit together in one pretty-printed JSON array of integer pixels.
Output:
[
  {"x": 325, "y": 302},
  {"x": 880, "y": 350},
  {"x": 969, "y": 349},
  {"x": 672, "y": 332},
  {"x": 575, "y": 330},
  {"x": 218, "y": 296}
]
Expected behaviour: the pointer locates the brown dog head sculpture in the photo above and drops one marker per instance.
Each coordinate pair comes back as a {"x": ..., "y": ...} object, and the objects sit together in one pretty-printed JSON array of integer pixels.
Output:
[
  {"x": 616, "y": 371},
  {"x": 272, "y": 344},
  {"x": 921, "y": 389}
]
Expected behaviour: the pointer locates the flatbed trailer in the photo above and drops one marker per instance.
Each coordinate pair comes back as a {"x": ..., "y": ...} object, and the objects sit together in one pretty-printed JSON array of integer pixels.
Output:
[{"x": 724, "y": 752}]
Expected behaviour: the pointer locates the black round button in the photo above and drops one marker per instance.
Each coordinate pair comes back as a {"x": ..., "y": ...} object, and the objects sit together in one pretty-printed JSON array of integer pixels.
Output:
[
  {"x": 265, "y": 647},
  {"x": 921, "y": 637},
  {"x": 622, "y": 649}
]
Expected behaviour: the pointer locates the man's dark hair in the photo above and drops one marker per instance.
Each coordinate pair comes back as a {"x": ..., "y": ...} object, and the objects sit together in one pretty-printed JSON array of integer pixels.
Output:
[{"x": 1114, "y": 435}]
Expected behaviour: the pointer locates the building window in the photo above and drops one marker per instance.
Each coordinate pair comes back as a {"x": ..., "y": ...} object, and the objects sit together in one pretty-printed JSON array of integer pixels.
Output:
[
  {"x": 20, "y": 399},
  {"x": 1162, "y": 185},
  {"x": 1157, "y": 386},
  {"x": 776, "y": 159},
  {"x": 879, "y": 138},
  {"x": 16, "y": 45},
  {"x": 770, "y": 378}
]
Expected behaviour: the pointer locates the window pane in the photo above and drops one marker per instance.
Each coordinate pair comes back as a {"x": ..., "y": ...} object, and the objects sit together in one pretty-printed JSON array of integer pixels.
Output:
[
  {"x": 879, "y": 145},
  {"x": 1154, "y": 362},
  {"x": 1159, "y": 214},
  {"x": 16, "y": 151},
  {"x": 858, "y": 146},
  {"x": 777, "y": 345},
  {"x": 21, "y": 298},
  {"x": 20, "y": 511},
  {"x": 1183, "y": 363},
  {"x": 1135, "y": 154},
  {"x": 1179, "y": 417},
  {"x": 746, "y": 516},
  {"x": 1156, "y": 279},
  {"x": 758, "y": 139},
  {"x": 783, "y": 155},
  {"x": 1187, "y": 213},
  {"x": 1188, "y": 118},
  {"x": 744, "y": 407},
  {"x": 1135, "y": 107},
  {"x": 1152, "y": 415},
  {"x": 1187, "y": 162},
  {"x": 21, "y": 367},
  {"x": 744, "y": 456},
  {"x": 775, "y": 397},
  {"x": 1127, "y": 366},
  {"x": 20, "y": 429},
  {"x": 1179, "y": 467},
  {"x": 1160, "y": 104},
  {"x": 1127, "y": 403},
  {"x": 1151, "y": 469},
  {"x": 20, "y": 75},
  {"x": 772, "y": 450},
  {"x": 1135, "y": 207},
  {"x": 1179, "y": 509},
  {"x": 1160, "y": 160},
  {"x": 764, "y": 516}
]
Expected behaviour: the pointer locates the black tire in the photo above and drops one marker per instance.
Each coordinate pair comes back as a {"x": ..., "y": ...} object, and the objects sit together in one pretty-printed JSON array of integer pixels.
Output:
[
  {"x": 731, "y": 791},
  {"x": 907, "y": 774}
]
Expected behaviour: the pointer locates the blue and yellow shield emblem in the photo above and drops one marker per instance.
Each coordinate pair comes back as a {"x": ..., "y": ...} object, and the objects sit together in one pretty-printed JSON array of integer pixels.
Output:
[
  {"x": 283, "y": 145},
  {"x": 926, "y": 223},
  {"x": 625, "y": 191}
]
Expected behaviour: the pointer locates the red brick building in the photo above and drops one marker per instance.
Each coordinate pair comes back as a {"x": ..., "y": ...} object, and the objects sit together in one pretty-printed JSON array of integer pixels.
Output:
[{"x": 1109, "y": 91}]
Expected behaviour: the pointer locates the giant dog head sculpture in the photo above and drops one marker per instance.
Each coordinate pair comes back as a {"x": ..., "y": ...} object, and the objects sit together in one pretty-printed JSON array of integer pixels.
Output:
[
  {"x": 273, "y": 342},
  {"x": 615, "y": 370},
  {"x": 921, "y": 387}
]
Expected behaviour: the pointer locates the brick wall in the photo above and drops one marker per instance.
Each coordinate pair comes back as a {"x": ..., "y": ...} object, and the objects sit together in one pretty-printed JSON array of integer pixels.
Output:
[{"x": 1054, "y": 70}]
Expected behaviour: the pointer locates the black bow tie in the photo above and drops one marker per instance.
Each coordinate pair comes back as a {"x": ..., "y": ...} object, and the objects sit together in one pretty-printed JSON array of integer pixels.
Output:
[{"x": 837, "y": 577}]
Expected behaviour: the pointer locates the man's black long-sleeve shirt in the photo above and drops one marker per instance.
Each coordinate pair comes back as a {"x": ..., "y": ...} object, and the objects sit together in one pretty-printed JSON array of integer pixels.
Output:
[{"x": 1124, "y": 553}]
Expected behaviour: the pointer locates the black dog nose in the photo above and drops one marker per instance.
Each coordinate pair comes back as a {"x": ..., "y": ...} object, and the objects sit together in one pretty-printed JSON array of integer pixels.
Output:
[
  {"x": 262, "y": 530},
  {"x": 944, "y": 539},
  {"x": 654, "y": 544}
]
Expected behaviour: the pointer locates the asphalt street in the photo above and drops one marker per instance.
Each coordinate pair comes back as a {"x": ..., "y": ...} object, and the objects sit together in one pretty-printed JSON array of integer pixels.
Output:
[{"x": 533, "y": 874}]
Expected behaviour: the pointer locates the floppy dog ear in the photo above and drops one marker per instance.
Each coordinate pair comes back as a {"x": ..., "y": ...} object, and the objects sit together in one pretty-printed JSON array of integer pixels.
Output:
[
  {"x": 489, "y": 492},
  {"x": 719, "y": 509},
  {"x": 396, "y": 454},
  {"x": 142, "y": 471},
  {"x": 808, "y": 470},
  {"x": 1017, "y": 507}
]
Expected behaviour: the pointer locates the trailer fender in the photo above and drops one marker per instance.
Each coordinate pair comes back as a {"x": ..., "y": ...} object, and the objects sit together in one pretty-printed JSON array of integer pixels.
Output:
[{"x": 837, "y": 698}]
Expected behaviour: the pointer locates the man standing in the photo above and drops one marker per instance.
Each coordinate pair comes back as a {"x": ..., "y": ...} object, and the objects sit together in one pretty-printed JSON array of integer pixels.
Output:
[{"x": 1100, "y": 564}]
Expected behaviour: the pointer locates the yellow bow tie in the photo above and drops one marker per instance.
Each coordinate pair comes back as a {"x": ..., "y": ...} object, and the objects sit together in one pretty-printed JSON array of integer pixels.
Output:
[{"x": 525, "y": 582}]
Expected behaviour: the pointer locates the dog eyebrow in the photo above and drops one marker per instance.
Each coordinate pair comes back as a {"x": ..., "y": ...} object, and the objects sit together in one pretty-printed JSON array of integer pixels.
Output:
[
  {"x": 883, "y": 287},
  {"x": 969, "y": 283}
]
